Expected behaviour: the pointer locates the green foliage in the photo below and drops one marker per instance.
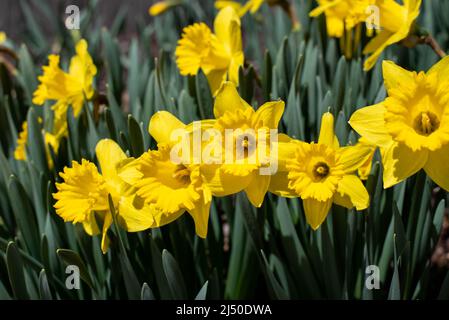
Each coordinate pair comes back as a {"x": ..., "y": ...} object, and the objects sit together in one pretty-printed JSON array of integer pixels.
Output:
[{"x": 268, "y": 252}]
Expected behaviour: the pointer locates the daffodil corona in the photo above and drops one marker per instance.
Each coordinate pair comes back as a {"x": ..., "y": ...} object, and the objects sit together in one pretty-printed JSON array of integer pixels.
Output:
[
  {"x": 411, "y": 126},
  {"x": 321, "y": 174}
]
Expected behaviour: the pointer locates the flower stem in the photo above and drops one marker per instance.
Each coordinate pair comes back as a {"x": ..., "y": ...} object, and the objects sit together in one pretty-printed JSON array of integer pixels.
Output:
[
  {"x": 290, "y": 9},
  {"x": 430, "y": 41}
]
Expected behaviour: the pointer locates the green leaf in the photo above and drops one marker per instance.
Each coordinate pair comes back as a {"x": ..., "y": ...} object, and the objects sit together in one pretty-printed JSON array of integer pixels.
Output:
[
  {"x": 203, "y": 96},
  {"x": 146, "y": 293},
  {"x": 161, "y": 279},
  {"x": 203, "y": 292},
  {"x": 295, "y": 252},
  {"x": 274, "y": 288},
  {"x": 174, "y": 277},
  {"x": 44, "y": 289},
  {"x": 395, "y": 287},
  {"x": 131, "y": 282},
  {"x": 35, "y": 142},
  {"x": 135, "y": 137},
  {"x": 24, "y": 214},
  {"x": 16, "y": 274}
]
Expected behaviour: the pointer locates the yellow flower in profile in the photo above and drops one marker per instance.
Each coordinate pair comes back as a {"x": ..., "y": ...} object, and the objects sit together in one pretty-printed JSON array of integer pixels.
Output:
[
  {"x": 2, "y": 37},
  {"x": 411, "y": 126},
  {"x": 396, "y": 22},
  {"x": 170, "y": 187},
  {"x": 162, "y": 6},
  {"x": 67, "y": 88},
  {"x": 251, "y": 5},
  {"x": 219, "y": 55},
  {"x": 250, "y": 131},
  {"x": 321, "y": 174},
  {"x": 342, "y": 15},
  {"x": 83, "y": 196}
]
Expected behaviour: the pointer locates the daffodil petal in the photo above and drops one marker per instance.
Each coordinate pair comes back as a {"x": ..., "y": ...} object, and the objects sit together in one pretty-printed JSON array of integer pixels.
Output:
[
  {"x": 437, "y": 167},
  {"x": 440, "y": 69},
  {"x": 369, "y": 123},
  {"x": 353, "y": 157},
  {"x": 286, "y": 151},
  {"x": 401, "y": 162},
  {"x": 343, "y": 201},
  {"x": 104, "y": 239},
  {"x": 134, "y": 214},
  {"x": 352, "y": 186},
  {"x": 215, "y": 78},
  {"x": 257, "y": 189},
  {"x": 162, "y": 124},
  {"x": 316, "y": 211},
  {"x": 269, "y": 114},
  {"x": 90, "y": 225},
  {"x": 200, "y": 215},
  {"x": 227, "y": 29},
  {"x": 228, "y": 99},
  {"x": 109, "y": 155},
  {"x": 327, "y": 133},
  {"x": 279, "y": 185},
  {"x": 396, "y": 78},
  {"x": 221, "y": 183}
]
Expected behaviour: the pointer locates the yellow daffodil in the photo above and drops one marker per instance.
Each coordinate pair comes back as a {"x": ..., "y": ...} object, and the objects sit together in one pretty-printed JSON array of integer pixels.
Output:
[
  {"x": 250, "y": 130},
  {"x": 49, "y": 140},
  {"x": 342, "y": 15},
  {"x": 83, "y": 196},
  {"x": 67, "y": 88},
  {"x": 321, "y": 174},
  {"x": 252, "y": 6},
  {"x": 411, "y": 126},
  {"x": 396, "y": 22},
  {"x": 162, "y": 6},
  {"x": 170, "y": 188},
  {"x": 219, "y": 55},
  {"x": 2, "y": 37}
]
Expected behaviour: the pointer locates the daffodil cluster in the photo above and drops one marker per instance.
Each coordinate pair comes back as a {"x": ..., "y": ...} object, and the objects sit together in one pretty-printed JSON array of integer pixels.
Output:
[
  {"x": 156, "y": 188},
  {"x": 63, "y": 89},
  {"x": 390, "y": 21},
  {"x": 240, "y": 149}
]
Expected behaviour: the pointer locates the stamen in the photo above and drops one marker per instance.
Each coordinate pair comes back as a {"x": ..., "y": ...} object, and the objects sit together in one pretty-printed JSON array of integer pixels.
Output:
[
  {"x": 426, "y": 123},
  {"x": 182, "y": 174},
  {"x": 321, "y": 170}
]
